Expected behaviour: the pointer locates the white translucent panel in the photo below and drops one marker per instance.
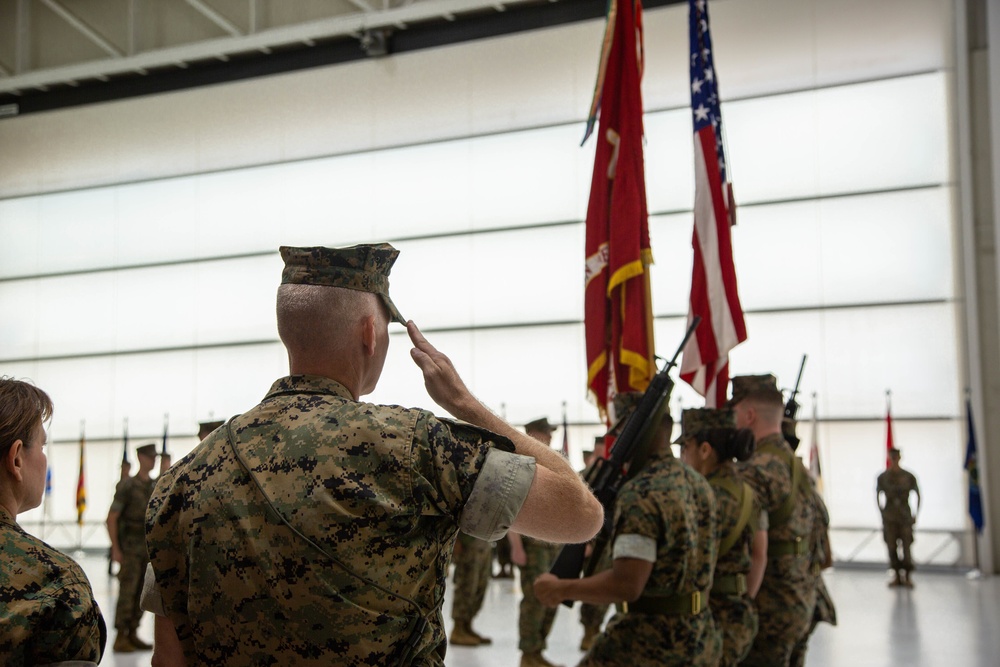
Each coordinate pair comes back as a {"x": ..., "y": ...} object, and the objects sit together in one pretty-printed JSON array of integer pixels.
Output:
[
  {"x": 855, "y": 354},
  {"x": 537, "y": 175},
  {"x": 235, "y": 299},
  {"x": 670, "y": 238},
  {"x": 240, "y": 211},
  {"x": 157, "y": 221},
  {"x": 853, "y": 456},
  {"x": 519, "y": 276},
  {"x": 847, "y": 250},
  {"x": 669, "y": 155},
  {"x": 82, "y": 390},
  {"x": 156, "y": 307},
  {"x": 231, "y": 380},
  {"x": 79, "y": 230},
  {"x": 76, "y": 314},
  {"x": 19, "y": 328},
  {"x": 328, "y": 201},
  {"x": 860, "y": 137},
  {"x": 19, "y": 231}
]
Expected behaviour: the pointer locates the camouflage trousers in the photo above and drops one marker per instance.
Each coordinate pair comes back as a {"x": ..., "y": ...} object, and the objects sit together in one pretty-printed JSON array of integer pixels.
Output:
[
  {"x": 825, "y": 612},
  {"x": 592, "y": 615},
  {"x": 785, "y": 606},
  {"x": 130, "y": 576},
  {"x": 473, "y": 570},
  {"x": 535, "y": 620},
  {"x": 635, "y": 640},
  {"x": 736, "y": 621},
  {"x": 898, "y": 537}
]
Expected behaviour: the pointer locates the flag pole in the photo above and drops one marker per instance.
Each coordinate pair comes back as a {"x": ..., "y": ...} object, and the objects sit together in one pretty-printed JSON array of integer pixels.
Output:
[{"x": 565, "y": 425}]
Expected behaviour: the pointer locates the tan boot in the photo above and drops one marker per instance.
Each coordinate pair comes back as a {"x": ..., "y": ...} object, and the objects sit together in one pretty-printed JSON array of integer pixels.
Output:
[
  {"x": 123, "y": 644},
  {"x": 138, "y": 643},
  {"x": 462, "y": 635},
  {"x": 907, "y": 579},
  {"x": 535, "y": 659},
  {"x": 589, "y": 634},
  {"x": 896, "y": 581},
  {"x": 482, "y": 640}
]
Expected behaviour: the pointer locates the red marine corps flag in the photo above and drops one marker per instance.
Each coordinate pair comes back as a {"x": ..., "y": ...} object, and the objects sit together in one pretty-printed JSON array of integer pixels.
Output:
[
  {"x": 714, "y": 296},
  {"x": 618, "y": 312}
]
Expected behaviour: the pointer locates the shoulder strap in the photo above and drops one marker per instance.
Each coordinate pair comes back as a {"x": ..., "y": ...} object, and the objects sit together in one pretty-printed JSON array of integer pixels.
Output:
[
  {"x": 780, "y": 516},
  {"x": 746, "y": 505},
  {"x": 418, "y": 623}
]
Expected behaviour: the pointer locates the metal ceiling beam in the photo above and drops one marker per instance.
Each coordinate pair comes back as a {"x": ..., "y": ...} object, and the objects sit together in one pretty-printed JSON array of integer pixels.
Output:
[
  {"x": 84, "y": 29},
  {"x": 215, "y": 17},
  {"x": 215, "y": 48}
]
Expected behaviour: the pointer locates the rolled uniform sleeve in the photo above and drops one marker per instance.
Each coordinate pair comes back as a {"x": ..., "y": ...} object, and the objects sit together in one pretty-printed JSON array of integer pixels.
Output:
[
  {"x": 152, "y": 599},
  {"x": 497, "y": 495},
  {"x": 640, "y": 547}
]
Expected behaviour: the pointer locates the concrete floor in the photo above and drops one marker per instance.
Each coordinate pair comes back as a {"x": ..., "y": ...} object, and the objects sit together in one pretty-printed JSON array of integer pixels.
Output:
[{"x": 947, "y": 619}]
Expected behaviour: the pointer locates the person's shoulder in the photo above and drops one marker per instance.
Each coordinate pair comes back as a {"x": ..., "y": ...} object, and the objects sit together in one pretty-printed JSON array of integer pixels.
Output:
[{"x": 39, "y": 560}]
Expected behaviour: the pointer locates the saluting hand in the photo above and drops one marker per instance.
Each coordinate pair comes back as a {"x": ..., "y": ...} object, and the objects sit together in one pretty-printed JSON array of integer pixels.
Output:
[{"x": 441, "y": 379}]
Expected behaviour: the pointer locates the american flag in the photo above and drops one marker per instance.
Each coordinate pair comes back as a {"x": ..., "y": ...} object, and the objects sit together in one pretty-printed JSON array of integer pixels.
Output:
[{"x": 714, "y": 295}]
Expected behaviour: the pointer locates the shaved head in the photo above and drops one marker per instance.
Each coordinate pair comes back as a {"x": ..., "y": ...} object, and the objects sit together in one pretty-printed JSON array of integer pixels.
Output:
[{"x": 315, "y": 319}]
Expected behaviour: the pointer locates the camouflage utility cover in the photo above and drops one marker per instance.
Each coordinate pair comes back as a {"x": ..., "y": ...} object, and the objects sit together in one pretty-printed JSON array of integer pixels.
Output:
[
  {"x": 382, "y": 489},
  {"x": 760, "y": 386},
  {"x": 47, "y": 608},
  {"x": 362, "y": 267},
  {"x": 672, "y": 505},
  {"x": 697, "y": 420}
]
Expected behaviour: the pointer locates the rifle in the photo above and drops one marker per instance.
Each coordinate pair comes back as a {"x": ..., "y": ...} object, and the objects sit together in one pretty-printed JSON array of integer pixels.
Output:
[
  {"x": 791, "y": 408},
  {"x": 628, "y": 456}
]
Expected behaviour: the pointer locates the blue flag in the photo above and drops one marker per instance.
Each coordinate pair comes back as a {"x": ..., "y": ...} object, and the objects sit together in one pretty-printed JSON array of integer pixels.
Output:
[{"x": 972, "y": 467}]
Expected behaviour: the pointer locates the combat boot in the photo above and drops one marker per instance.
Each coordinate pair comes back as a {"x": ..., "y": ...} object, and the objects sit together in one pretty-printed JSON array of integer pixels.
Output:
[
  {"x": 123, "y": 644},
  {"x": 535, "y": 659},
  {"x": 482, "y": 640},
  {"x": 589, "y": 634},
  {"x": 462, "y": 635},
  {"x": 896, "y": 581},
  {"x": 138, "y": 643},
  {"x": 907, "y": 579}
]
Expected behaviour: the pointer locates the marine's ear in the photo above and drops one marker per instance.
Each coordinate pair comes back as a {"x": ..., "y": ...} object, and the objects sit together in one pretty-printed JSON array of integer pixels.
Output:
[
  {"x": 368, "y": 337},
  {"x": 12, "y": 461}
]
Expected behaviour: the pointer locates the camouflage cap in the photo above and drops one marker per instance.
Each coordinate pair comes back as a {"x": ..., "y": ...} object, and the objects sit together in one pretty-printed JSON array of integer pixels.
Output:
[
  {"x": 204, "y": 428},
  {"x": 146, "y": 450},
  {"x": 625, "y": 403},
  {"x": 757, "y": 386},
  {"x": 362, "y": 267},
  {"x": 696, "y": 420},
  {"x": 540, "y": 425}
]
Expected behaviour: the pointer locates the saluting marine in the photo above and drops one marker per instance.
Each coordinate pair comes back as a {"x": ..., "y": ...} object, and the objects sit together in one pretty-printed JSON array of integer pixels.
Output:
[{"x": 317, "y": 529}]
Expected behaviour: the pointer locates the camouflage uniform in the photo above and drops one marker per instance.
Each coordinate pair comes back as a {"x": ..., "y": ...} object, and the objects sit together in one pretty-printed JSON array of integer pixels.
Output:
[
  {"x": 473, "y": 570},
  {"x": 668, "y": 512},
  {"x": 130, "y": 501},
  {"x": 592, "y": 615},
  {"x": 897, "y": 519},
  {"x": 819, "y": 548},
  {"x": 379, "y": 492},
  {"x": 535, "y": 619},
  {"x": 734, "y": 612},
  {"x": 47, "y": 608},
  {"x": 787, "y": 596}
]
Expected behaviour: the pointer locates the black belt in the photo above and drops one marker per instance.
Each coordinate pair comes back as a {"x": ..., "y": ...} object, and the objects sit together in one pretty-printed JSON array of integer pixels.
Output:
[{"x": 684, "y": 604}]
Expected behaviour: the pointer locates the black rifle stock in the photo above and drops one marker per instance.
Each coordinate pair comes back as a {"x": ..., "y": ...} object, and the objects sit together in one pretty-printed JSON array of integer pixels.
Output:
[
  {"x": 628, "y": 456},
  {"x": 791, "y": 409}
]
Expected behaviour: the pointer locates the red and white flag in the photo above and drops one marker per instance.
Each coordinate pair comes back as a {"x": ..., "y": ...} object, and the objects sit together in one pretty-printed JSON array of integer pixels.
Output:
[
  {"x": 714, "y": 295},
  {"x": 618, "y": 319},
  {"x": 889, "y": 444}
]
